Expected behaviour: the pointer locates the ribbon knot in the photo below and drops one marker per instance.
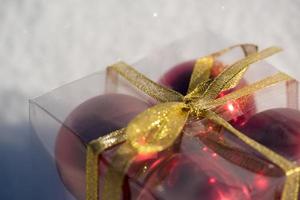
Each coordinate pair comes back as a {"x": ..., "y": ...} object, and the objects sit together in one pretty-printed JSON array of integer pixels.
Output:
[
  {"x": 190, "y": 105},
  {"x": 157, "y": 128}
]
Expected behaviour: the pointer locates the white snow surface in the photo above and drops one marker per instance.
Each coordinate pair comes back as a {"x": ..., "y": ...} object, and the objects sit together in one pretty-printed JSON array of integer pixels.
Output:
[{"x": 46, "y": 43}]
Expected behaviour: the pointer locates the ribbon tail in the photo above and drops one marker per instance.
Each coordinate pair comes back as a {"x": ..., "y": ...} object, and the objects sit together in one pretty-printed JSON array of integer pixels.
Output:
[
  {"x": 203, "y": 66},
  {"x": 92, "y": 175},
  {"x": 247, "y": 90},
  {"x": 248, "y": 49},
  {"x": 140, "y": 81},
  {"x": 231, "y": 75},
  {"x": 291, "y": 187}
]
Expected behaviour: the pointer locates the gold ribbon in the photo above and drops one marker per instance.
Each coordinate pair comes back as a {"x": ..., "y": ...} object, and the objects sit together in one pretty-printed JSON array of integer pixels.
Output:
[{"x": 158, "y": 127}]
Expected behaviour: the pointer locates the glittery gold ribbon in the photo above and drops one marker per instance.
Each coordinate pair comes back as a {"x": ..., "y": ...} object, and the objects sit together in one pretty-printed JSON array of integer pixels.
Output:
[{"x": 158, "y": 127}]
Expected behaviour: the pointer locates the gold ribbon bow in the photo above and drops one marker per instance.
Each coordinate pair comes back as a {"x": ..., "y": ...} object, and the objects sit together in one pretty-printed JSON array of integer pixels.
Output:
[{"x": 158, "y": 127}]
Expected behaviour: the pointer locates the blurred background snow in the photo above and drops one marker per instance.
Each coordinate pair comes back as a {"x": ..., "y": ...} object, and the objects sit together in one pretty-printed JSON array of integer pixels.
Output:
[{"x": 44, "y": 44}]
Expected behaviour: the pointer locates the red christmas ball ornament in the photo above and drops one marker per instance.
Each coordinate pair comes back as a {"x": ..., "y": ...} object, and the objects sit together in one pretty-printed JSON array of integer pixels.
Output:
[
  {"x": 178, "y": 77},
  {"x": 238, "y": 111},
  {"x": 277, "y": 129},
  {"x": 182, "y": 177},
  {"x": 93, "y": 118}
]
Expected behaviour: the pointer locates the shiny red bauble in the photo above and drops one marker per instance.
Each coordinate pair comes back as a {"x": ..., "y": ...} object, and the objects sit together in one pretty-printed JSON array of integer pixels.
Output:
[
  {"x": 178, "y": 77},
  {"x": 186, "y": 177},
  {"x": 277, "y": 129},
  {"x": 93, "y": 118}
]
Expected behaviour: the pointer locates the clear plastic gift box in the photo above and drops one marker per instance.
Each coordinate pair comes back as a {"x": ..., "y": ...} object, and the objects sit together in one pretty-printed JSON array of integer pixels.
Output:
[{"x": 194, "y": 167}]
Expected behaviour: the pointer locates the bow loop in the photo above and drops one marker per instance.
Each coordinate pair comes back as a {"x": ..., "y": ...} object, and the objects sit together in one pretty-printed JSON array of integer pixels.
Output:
[{"x": 158, "y": 127}]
